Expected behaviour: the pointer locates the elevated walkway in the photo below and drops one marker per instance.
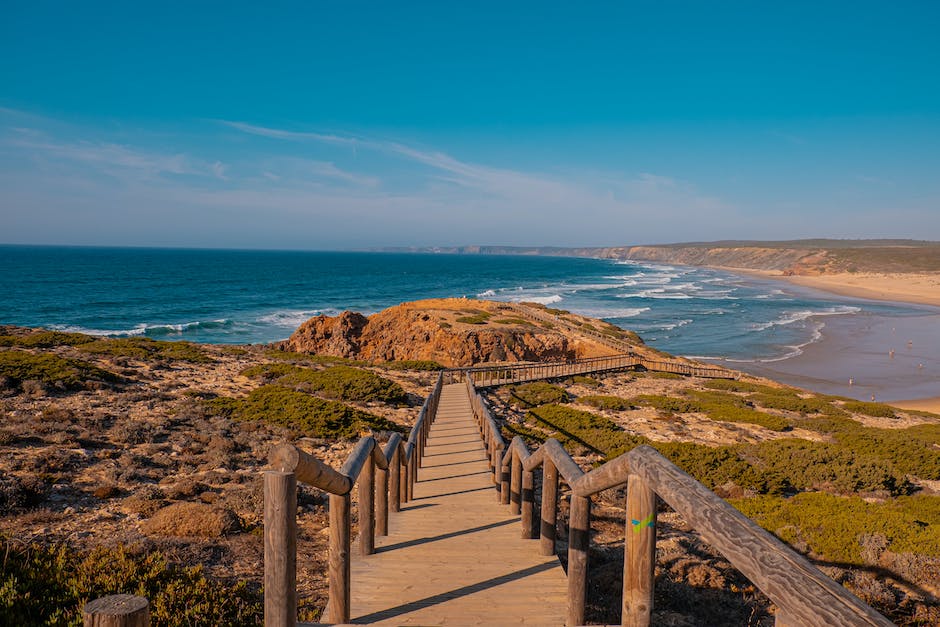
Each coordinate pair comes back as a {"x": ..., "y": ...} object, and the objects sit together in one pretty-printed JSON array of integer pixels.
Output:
[{"x": 454, "y": 555}]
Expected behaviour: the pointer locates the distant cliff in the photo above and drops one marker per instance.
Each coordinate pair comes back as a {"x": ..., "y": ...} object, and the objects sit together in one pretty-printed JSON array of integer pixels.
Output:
[{"x": 810, "y": 256}]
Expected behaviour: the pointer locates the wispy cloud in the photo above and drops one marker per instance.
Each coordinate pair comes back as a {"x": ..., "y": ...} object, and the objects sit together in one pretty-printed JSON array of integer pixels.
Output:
[{"x": 329, "y": 170}]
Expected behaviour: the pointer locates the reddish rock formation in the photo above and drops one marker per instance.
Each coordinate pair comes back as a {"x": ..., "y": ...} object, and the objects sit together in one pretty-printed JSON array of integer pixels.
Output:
[{"x": 434, "y": 330}]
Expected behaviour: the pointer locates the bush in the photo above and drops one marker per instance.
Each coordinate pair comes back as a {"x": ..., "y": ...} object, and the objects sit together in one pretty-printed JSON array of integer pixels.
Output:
[
  {"x": 613, "y": 403},
  {"x": 574, "y": 427},
  {"x": 832, "y": 467},
  {"x": 308, "y": 414},
  {"x": 833, "y": 526},
  {"x": 790, "y": 401},
  {"x": 20, "y": 366},
  {"x": 282, "y": 355},
  {"x": 338, "y": 382},
  {"x": 425, "y": 365},
  {"x": 876, "y": 410},
  {"x": 716, "y": 466},
  {"x": 145, "y": 348},
  {"x": 731, "y": 385},
  {"x": 518, "y": 321},
  {"x": 667, "y": 404},
  {"x": 49, "y": 585},
  {"x": 479, "y": 317},
  {"x": 537, "y": 393},
  {"x": 45, "y": 339},
  {"x": 732, "y": 408},
  {"x": 580, "y": 379}
]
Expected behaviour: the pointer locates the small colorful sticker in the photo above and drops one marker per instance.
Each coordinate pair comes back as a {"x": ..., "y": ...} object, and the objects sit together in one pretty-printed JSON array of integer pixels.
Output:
[{"x": 646, "y": 522}]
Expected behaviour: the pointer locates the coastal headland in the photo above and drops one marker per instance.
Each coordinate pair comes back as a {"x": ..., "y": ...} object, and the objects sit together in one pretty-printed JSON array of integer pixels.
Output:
[{"x": 148, "y": 454}]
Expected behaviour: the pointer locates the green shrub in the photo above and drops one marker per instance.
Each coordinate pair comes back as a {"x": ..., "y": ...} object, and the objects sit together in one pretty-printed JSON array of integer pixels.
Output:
[
  {"x": 613, "y": 403},
  {"x": 835, "y": 527},
  {"x": 717, "y": 465},
  {"x": 338, "y": 382},
  {"x": 667, "y": 404},
  {"x": 822, "y": 465},
  {"x": 915, "y": 450},
  {"x": 46, "y": 339},
  {"x": 876, "y": 410},
  {"x": 145, "y": 348},
  {"x": 532, "y": 437},
  {"x": 478, "y": 317},
  {"x": 580, "y": 379},
  {"x": 308, "y": 414},
  {"x": 290, "y": 356},
  {"x": 536, "y": 393},
  {"x": 583, "y": 429},
  {"x": 653, "y": 374},
  {"x": 21, "y": 366},
  {"x": 732, "y": 408},
  {"x": 414, "y": 364},
  {"x": 790, "y": 401},
  {"x": 49, "y": 585},
  {"x": 731, "y": 385}
]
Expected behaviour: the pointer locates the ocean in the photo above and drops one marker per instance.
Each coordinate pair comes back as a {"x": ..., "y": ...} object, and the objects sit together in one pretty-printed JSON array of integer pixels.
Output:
[{"x": 237, "y": 297}]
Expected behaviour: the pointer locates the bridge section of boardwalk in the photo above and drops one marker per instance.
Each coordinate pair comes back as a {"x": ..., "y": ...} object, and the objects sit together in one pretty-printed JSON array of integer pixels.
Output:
[{"x": 454, "y": 555}]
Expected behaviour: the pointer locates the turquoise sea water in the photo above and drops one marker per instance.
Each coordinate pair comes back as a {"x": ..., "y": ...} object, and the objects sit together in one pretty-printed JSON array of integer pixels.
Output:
[{"x": 222, "y": 296}]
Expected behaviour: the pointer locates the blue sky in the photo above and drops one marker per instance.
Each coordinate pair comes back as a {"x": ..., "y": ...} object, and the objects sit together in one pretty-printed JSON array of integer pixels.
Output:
[{"x": 351, "y": 124}]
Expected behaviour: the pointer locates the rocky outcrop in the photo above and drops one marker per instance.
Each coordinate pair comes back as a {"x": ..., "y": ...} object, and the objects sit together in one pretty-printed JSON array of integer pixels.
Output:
[{"x": 439, "y": 330}]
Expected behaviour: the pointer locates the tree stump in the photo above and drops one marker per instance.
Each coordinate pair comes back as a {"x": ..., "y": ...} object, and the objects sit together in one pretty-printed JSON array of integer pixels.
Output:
[{"x": 118, "y": 610}]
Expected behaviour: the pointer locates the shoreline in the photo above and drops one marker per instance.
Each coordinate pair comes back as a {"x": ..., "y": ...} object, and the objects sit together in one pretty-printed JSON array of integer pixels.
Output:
[{"x": 896, "y": 359}]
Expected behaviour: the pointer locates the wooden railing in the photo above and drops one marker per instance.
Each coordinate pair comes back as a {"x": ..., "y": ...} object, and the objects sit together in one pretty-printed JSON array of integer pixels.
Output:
[
  {"x": 385, "y": 479},
  {"x": 485, "y": 376},
  {"x": 802, "y": 593}
]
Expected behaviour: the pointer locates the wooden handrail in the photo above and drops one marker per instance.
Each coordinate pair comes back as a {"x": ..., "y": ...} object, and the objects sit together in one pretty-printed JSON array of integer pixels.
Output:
[
  {"x": 802, "y": 593},
  {"x": 385, "y": 479}
]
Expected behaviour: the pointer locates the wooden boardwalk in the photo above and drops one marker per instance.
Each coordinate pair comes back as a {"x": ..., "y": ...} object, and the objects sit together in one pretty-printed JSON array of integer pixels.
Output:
[{"x": 454, "y": 555}]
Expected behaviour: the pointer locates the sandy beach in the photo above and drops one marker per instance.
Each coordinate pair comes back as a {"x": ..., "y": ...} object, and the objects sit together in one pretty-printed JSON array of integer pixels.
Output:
[
  {"x": 917, "y": 288},
  {"x": 896, "y": 359}
]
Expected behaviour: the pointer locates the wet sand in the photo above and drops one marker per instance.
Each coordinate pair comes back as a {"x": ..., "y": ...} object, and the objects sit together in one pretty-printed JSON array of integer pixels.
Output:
[{"x": 859, "y": 348}]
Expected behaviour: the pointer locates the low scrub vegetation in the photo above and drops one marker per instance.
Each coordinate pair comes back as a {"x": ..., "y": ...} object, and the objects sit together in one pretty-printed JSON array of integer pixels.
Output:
[
  {"x": 839, "y": 528},
  {"x": 312, "y": 416},
  {"x": 580, "y": 379},
  {"x": 337, "y": 382},
  {"x": 49, "y": 585},
  {"x": 579, "y": 429},
  {"x": 145, "y": 348},
  {"x": 612, "y": 403},
  {"x": 477, "y": 317},
  {"x": 876, "y": 410},
  {"x": 537, "y": 393},
  {"x": 46, "y": 339},
  {"x": 308, "y": 358},
  {"x": 425, "y": 365},
  {"x": 20, "y": 366}
]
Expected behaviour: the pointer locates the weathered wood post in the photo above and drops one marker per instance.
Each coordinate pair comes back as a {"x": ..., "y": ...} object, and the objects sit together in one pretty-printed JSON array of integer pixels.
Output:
[
  {"x": 280, "y": 549},
  {"x": 394, "y": 480},
  {"x": 639, "y": 558},
  {"x": 367, "y": 507},
  {"x": 515, "y": 485},
  {"x": 549, "y": 514},
  {"x": 405, "y": 474},
  {"x": 381, "y": 501},
  {"x": 528, "y": 505},
  {"x": 117, "y": 610},
  {"x": 502, "y": 481},
  {"x": 579, "y": 540},
  {"x": 339, "y": 564}
]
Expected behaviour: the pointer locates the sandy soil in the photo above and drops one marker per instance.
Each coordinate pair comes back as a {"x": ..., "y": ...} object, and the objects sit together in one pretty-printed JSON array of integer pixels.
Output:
[{"x": 921, "y": 404}]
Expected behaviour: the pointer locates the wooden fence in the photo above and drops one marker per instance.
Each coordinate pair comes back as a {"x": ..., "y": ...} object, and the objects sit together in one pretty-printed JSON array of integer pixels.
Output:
[
  {"x": 802, "y": 593},
  {"x": 385, "y": 479},
  {"x": 486, "y": 376}
]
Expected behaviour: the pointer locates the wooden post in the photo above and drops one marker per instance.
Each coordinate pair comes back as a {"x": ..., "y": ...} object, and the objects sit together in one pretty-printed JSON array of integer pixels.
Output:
[
  {"x": 579, "y": 540},
  {"x": 549, "y": 514},
  {"x": 280, "y": 549},
  {"x": 639, "y": 559},
  {"x": 528, "y": 505},
  {"x": 381, "y": 501},
  {"x": 118, "y": 610},
  {"x": 367, "y": 508},
  {"x": 394, "y": 481},
  {"x": 515, "y": 485},
  {"x": 503, "y": 483},
  {"x": 498, "y": 474},
  {"x": 339, "y": 559}
]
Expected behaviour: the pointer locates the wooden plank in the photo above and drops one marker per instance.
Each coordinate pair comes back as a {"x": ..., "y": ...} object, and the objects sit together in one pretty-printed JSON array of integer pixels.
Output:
[
  {"x": 280, "y": 549},
  {"x": 432, "y": 568},
  {"x": 639, "y": 560}
]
